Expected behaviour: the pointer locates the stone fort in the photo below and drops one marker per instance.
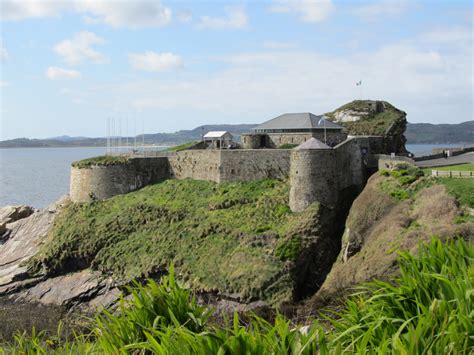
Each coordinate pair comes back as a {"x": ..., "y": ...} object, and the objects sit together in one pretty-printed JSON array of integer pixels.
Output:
[{"x": 315, "y": 154}]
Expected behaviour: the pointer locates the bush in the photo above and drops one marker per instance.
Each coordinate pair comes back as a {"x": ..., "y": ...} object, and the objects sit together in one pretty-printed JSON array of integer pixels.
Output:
[{"x": 407, "y": 179}]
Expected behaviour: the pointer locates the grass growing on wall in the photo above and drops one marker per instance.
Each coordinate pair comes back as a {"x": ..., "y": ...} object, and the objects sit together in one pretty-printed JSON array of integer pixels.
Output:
[
  {"x": 426, "y": 310},
  {"x": 183, "y": 146},
  {"x": 220, "y": 236},
  {"x": 104, "y": 160}
]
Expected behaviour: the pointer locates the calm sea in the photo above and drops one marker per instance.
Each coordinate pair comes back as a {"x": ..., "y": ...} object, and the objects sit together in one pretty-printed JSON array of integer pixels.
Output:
[{"x": 39, "y": 176}]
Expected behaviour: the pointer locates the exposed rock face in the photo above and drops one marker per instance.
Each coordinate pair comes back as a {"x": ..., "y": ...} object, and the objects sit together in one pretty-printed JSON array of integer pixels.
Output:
[
  {"x": 26, "y": 230},
  {"x": 10, "y": 214},
  {"x": 21, "y": 241},
  {"x": 367, "y": 117}
]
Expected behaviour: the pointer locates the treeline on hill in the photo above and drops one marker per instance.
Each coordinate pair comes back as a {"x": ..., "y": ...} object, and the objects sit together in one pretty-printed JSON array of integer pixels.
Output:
[
  {"x": 426, "y": 133},
  {"x": 427, "y": 309},
  {"x": 166, "y": 139}
]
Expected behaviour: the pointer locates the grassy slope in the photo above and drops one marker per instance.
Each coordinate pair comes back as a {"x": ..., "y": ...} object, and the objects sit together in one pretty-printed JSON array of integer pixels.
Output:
[
  {"x": 234, "y": 237},
  {"x": 403, "y": 211}
]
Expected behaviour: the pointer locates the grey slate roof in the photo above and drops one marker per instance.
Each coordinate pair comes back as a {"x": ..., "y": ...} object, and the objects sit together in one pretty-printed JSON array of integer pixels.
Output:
[
  {"x": 312, "y": 143},
  {"x": 305, "y": 120}
]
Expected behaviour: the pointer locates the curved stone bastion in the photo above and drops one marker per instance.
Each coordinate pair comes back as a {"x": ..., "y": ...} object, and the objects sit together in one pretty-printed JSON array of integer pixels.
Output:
[{"x": 104, "y": 181}]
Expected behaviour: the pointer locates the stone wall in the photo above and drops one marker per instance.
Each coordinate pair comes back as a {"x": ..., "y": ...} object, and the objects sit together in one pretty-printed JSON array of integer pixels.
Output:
[
  {"x": 313, "y": 178},
  {"x": 275, "y": 140},
  {"x": 103, "y": 182},
  {"x": 230, "y": 165},
  {"x": 196, "y": 164},
  {"x": 389, "y": 162},
  {"x": 251, "y": 140},
  {"x": 254, "y": 164}
]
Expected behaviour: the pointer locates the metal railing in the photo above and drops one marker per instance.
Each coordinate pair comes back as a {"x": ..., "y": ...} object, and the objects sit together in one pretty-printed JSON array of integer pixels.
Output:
[{"x": 452, "y": 174}]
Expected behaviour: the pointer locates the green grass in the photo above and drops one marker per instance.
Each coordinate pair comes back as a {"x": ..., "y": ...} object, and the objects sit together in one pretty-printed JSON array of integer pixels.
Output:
[
  {"x": 244, "y": 227},
  {"x": 183, "y": 146},
  {"x": 104, "y": 160},
  {"x": 461, "y": 189},
  {"x": 426, "y": 310},
  {"x": 460, "y": 167}
]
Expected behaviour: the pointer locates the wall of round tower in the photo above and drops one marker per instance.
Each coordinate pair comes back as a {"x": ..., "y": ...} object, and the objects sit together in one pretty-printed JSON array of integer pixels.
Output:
[
  {"x": 102, "y": 182},
  {"x": 252, "y": 141},
  {"x": 313, "y": 178}
]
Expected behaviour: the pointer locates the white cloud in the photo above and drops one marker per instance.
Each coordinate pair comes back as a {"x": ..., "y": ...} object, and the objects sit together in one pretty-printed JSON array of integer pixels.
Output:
[
  {"x": 307, "y": 10},
  {"x": 56, "y": 73},
  {"x": 3, "y": 53},
  {"x": 381, "y": 9},
  {"x": 425, "y": 82},
  {"x": 131, "y": 14},
  {"x": 236, "y": 18},
  {"x": 449, "y": 35},
  {"x": 79, "y": 49},
  {"x": 4, "y": 84},
  {"x": 14, "y": 10},
  {"x": 154, "y": 62},
  {"x": 184, "y": 16}
]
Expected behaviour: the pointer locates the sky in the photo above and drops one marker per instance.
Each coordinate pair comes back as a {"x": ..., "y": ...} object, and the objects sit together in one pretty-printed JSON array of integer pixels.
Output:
[{"x": 68, "y": 66}]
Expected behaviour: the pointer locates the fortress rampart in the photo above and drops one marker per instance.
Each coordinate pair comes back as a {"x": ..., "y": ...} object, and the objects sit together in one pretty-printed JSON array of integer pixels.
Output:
[
  {"x": 102, "y": 182},
  {"x": 316, "y": 175}
]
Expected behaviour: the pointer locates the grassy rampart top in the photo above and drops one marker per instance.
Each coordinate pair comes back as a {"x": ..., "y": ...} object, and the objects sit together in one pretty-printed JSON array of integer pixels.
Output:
[{"x": 103, "y": 160}]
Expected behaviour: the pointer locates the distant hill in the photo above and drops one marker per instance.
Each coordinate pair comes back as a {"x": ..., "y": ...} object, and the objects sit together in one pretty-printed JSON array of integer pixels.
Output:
[
  {"x": 156, "y": 138},
  {"x": 420, "y": 133},
  {"x": 416, "y": 133}
]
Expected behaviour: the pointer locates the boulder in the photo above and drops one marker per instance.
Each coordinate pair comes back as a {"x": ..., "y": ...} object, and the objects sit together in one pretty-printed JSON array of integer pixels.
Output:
[{"x": 10, "y": 214}]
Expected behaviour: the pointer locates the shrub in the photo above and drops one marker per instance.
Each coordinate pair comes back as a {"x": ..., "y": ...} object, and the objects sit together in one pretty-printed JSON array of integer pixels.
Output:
[
  {"x": 384, "y": 172},
  {"x": 407, "y": 179}
]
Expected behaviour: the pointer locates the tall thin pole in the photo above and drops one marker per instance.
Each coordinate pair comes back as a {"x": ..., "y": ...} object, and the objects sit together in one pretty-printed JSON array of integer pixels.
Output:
[
  {"x": 143, "y": 136},
  {"x": 135, "y": 133},
  {"x": 126, "y": 132}
]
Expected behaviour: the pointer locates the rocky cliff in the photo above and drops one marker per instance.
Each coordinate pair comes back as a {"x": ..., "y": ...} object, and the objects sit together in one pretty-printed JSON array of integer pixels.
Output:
[
  {"x": 367, "y": 117},
  {"x": 394, "y": 213}
]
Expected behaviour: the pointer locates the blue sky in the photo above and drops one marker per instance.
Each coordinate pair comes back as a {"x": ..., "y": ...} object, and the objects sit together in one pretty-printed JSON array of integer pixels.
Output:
[{"x": 68, "y": 65}]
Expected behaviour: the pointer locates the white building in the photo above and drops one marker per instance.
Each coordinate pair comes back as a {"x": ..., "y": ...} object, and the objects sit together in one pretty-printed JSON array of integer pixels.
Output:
[{"x": 218, "y": 139}]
